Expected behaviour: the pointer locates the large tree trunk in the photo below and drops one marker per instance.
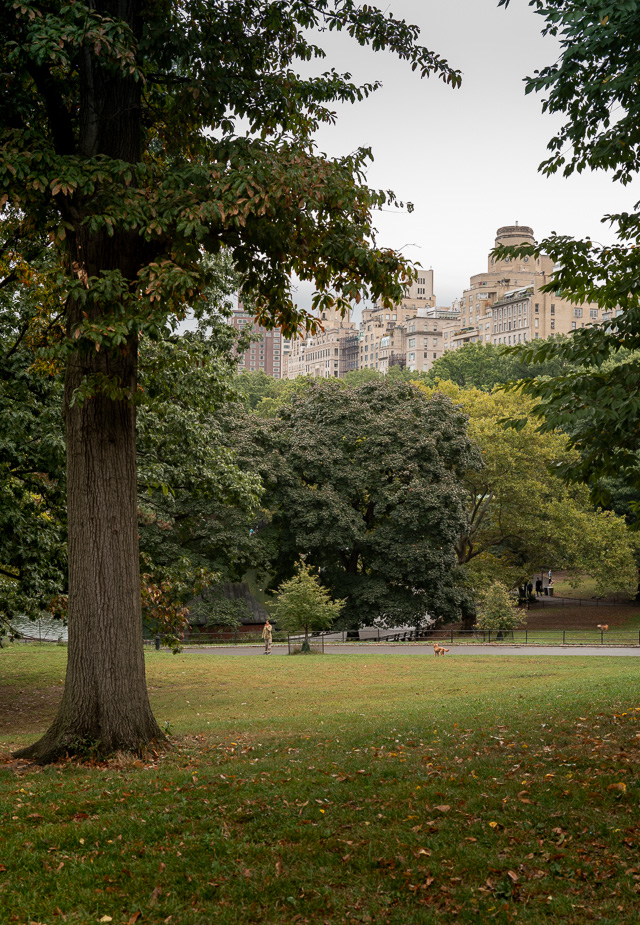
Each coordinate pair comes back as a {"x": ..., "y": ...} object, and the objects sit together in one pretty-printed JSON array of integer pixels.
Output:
[{"x": 105, "y": 706}]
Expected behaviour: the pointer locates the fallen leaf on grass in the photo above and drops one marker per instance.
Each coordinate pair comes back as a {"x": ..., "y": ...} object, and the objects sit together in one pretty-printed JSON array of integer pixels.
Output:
[
  {"x": 106, "y": 918},
  {"x": 622, "y": 788},
  {"x": 278, "y": 868},
  {"x": 512, "y": 875},
  {"x": 422, "y": 851},
  {"x": 153, "y": 899},
  {"x": 443, "y": 808},
  {"x": 134, "y": 918}
]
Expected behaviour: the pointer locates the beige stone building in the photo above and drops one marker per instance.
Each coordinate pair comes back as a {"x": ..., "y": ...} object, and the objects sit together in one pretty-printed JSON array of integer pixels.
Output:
[
  {"x": 423, "y": 342},
  {"x": 505, "y": 305},
  {"x": 420, "y": 293},
  {"x": 409, "y": 334},
  {"x": 328, "y": 354}
]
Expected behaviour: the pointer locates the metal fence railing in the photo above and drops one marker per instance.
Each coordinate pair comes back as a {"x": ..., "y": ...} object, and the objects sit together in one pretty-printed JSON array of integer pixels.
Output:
[
  {"x": 524, "y": 637},
  {"x": 533, "y": 637},
  {"x": 566, "y": 600}
]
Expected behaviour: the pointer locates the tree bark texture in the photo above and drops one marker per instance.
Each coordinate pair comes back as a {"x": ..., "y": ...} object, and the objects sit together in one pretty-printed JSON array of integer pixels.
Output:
[{"x": 105, "y": 706}]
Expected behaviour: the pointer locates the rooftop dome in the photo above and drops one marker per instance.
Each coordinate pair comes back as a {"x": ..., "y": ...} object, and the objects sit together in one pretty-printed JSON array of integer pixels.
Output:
[{"x": 508, "y": 232}]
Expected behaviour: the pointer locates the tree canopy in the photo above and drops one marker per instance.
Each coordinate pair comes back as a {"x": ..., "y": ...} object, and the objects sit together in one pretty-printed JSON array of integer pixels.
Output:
[
  {"x": 32, "y": 459},
  {"x": 365, "y": 482},
  {"x": 522, "y": 516},
  {"x": 593, "y": 84},
  {"x": 485, "y": 366}
]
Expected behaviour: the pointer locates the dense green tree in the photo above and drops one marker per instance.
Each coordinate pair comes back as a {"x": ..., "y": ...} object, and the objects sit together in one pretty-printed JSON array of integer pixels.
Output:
[
  {"x": 484, "y": 366},
  {"x": 195, "y": 505},
  {"x": 32, "y": 461},
  {"x": 120, "y": 124},
  {"x": 364, "y": 481},
  {"x": 593, "y": 85},
  {"x": 302, "y": 603}
]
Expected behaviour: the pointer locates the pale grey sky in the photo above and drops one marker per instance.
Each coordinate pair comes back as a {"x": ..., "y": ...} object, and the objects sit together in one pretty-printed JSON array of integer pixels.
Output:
[{"x": 466, "y": 158}]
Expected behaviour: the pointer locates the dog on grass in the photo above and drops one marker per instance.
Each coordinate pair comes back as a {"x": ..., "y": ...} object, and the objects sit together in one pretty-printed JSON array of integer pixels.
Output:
[
  {"x": 603, "y": 627},
  {"x": 438, "y": 650}
]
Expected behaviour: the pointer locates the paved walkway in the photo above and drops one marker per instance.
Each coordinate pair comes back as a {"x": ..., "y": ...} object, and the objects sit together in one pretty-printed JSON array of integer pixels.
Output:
[{"x": 425, "y": 651}]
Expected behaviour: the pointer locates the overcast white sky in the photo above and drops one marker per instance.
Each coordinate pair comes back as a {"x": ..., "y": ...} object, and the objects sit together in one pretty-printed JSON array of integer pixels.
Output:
[{"x": 466, "y": 158}]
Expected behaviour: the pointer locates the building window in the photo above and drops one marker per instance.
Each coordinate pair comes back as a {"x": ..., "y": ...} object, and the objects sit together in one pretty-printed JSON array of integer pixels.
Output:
[
  {"x": 537, "y": 307},
  {"x": 553, "y": 309},
  {"x": 577, "y": 313},
  {"x": 412, "y": 341},
  {"x": 553, "y": 324},
  {"x": 573, "y": 325}
]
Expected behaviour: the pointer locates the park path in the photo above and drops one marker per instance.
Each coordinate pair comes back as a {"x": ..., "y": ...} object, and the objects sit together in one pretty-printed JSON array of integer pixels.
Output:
[{"x": 426, "y": 651}]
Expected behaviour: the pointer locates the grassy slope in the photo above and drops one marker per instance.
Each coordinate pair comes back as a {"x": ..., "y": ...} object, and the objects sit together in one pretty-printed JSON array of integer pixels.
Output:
[{"x": 336, "y": 789}]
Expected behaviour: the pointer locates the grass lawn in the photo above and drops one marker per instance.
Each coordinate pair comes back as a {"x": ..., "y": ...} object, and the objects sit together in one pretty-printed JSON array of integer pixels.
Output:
[{"x": 334, "y": 789}]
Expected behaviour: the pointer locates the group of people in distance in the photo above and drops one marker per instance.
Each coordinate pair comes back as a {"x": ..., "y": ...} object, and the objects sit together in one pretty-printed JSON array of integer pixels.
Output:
[{"x": 541, "y": 588}]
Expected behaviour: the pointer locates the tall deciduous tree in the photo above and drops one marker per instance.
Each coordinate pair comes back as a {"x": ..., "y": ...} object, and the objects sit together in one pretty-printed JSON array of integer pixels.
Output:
[
  {"x": 594, "y": 85},
  {"x": 119, "y": 122},
  {"x": 365, "y": 481}
]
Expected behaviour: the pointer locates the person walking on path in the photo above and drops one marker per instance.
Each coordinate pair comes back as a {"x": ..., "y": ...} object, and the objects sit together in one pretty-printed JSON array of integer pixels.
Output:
[{"x": 267, "y": 635}]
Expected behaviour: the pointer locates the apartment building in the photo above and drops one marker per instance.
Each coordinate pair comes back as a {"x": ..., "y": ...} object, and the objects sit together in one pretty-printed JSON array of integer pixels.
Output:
[
  {"x": 329, "y": 354},
  {"x": 505, "y": 305},
  {"x": 264, "y": 354},
  {"x": 383, "y": 330},
  {"x": 423, "y": 342}
]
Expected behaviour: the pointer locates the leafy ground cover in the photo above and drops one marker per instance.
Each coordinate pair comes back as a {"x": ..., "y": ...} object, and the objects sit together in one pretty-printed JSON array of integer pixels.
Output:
[{"x": 334, "y": 789}]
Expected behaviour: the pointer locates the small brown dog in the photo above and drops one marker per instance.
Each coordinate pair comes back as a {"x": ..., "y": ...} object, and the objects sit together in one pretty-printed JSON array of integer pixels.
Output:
[
  {"x": 438, "y": 650},
  {"x": 603, "y": 626}
]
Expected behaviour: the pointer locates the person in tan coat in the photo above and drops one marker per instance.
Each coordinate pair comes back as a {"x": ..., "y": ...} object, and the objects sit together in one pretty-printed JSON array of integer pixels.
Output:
[{"x": 267, "y": 635}]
